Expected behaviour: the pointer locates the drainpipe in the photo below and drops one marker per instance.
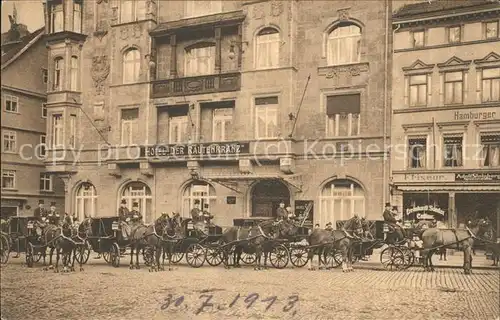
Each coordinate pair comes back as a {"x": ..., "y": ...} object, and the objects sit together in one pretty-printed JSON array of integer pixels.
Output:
[{"x": 386, "y": 85}]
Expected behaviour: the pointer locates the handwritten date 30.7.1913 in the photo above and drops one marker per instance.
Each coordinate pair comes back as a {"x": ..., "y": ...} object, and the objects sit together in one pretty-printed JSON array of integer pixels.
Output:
[{"x": 207, "y": 303}]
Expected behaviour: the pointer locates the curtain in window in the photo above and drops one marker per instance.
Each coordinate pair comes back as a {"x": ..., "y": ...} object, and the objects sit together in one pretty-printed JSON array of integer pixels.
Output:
[
  {"x": 344, "y": 45},
  {"x": 268, "y": 45},
  {"x": 131, "y": 66},
  {"x": 200, "y": 61},
  {"x": 453, "y": 152}
]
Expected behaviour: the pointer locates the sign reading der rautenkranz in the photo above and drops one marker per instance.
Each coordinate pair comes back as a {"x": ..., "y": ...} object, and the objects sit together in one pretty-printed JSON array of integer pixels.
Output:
[{"x": 196, "y": 149}]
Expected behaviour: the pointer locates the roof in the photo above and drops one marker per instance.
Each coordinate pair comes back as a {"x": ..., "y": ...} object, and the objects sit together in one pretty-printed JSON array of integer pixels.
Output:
[
  {"x": 25, "y": 43},
  {"x": 436, "y": 7}
]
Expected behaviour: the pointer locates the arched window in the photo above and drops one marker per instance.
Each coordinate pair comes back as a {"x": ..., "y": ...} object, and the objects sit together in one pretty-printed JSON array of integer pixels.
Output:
[
  {"x": 201, "y": 191},
  {"x": 266, "y": 197},
  {"x": 86, "y": 201},
  {"x": 74, "y": 73},
  {"x": 139, "y": 192},
  {"x": 340, "y": 199},
  {"x": 58, "y": 73},
  {"x": 343, "y": 45},
  {"x": 131, "y": 66},
  {"x": 200, "y": 60},
  {"x": 267, "y": 48}
]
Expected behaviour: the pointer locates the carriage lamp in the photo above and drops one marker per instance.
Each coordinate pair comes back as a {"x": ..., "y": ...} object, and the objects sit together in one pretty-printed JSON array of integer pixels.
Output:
[{"x": 232, "y": 53}]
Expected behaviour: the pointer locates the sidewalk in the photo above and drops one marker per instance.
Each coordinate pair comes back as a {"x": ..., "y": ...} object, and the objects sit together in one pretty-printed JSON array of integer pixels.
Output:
[{"x": 454, "y": 260}]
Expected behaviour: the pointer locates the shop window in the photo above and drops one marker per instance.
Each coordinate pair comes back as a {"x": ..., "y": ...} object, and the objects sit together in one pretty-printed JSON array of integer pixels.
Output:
[
  {"x": 453, "y": 151},
  {"x": 343, "y": 115},
  {"x": 141, "y": 193},
  {"x": 339, "y": 200},
  {"x": 490, "y": 144},
  {"x": 266, "y": 114},
  {"x": 490, "y": 88},
  {"x": 86, "y": 201},
  {"x": 417, "y": 153},
  {"x": 267, "y": 48},
  {"x": 344, "y": 44}
]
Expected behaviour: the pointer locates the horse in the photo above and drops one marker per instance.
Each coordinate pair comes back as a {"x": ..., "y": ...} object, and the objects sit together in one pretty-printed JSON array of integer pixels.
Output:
[
  {"x": 258, "y": 238},
  {"x": 324, "y": 241},
  {"x": 461, "y": 239},
  {"x": 58, "y": 237},
  {"x": 143, "y": 236},
  {"x": 172, "y": 233}
]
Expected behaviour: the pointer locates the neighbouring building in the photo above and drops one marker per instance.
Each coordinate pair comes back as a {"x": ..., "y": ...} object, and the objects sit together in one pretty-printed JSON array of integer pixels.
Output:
[
  {"x": 168, "y": 102},
  {"x": 24, "y": 78},
  {"x": 446, "y": 110}
]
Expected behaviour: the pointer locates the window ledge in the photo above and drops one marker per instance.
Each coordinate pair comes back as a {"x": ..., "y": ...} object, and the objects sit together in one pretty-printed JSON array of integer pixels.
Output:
[
  {"x": 10, "y": 189},
  {"x": 128, "y": 84},
  {"x": 9, "y": 152},
  {"x": 120, "y": 24},
  {"x": 47, "y": 191},
  {"x": 14, "y": 112}
]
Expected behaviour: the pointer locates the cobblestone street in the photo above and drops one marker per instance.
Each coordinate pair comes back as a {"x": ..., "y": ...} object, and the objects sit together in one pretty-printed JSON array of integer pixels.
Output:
[{"x": 103, "y": 292}]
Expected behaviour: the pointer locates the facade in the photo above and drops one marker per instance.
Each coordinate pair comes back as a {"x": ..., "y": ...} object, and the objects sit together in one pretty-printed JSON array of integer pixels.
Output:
[
  {"x": 172, "y": 102},
  {"x": 446, "y": 110},
  {"x": 24, "y": 179}
]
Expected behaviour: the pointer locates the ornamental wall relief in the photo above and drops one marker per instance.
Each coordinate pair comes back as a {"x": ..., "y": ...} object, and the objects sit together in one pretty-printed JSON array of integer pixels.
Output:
[
  {"x": 100, "y": 71},
  {"x": 276, "y": 8},
  {"x": 131, "y": 32}
]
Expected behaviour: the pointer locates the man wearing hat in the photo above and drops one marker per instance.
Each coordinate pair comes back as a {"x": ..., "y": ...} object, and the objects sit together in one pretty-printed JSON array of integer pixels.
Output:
[
  {"x": 207, "y": 217},
  {"x": 329, "y": 227},
  {"x": 123, "y": 211},
  {"x": 135, "y": 215},
  {"x": 281, "y": 213},
  {"x": 40, "y": 211},
  {"x": 53, "y": 215},
  {"x": 390, "y": 219},
  {"x": 196, "y": 212}
]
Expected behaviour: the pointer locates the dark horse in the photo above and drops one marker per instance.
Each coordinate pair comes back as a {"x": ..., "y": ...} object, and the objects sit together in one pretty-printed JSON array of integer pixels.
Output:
[
  {"x": 259, "y": 238},
  {"x": 172, "y": 234},
  {"x": 460, "y": 239},
  {"x": 324, "y": 241},
  {"x": 143, "y": 236}
]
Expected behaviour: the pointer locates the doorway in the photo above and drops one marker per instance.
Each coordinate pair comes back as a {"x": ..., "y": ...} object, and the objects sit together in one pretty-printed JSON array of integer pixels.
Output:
[{"x": 266, "y": 196}]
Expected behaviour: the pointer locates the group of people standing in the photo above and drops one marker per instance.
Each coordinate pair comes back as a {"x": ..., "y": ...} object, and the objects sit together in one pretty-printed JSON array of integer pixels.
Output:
[{"x": 51, "y": 216}]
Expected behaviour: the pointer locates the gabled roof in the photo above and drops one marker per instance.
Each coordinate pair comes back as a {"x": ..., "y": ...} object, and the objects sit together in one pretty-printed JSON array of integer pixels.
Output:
[
  {"x": 436, "y": 7},
  {"x": 21, "y": 47}
]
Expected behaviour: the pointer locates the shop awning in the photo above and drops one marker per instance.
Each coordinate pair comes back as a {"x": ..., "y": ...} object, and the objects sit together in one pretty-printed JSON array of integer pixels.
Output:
[{"x": 451, "y": 188}]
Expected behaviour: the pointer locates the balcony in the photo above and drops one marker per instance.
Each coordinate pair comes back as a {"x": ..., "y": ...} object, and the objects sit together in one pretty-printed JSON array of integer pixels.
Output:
[{"x": 223, "y": 82}]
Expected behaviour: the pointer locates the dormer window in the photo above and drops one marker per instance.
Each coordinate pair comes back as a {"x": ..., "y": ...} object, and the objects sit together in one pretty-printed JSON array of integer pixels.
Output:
[{"x": 57, "y": 17}]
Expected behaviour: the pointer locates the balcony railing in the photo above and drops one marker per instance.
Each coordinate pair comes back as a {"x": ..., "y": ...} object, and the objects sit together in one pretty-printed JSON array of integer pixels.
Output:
[{"x": 196, "y": 85}]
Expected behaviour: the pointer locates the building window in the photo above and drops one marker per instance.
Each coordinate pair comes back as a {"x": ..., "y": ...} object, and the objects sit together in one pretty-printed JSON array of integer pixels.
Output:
[
  {"x": 8, "y": 179},
  {"x": 178, "y": 129},
  {"x": 77, "y": 17},
  {"x": 131, "y": 66},
  {"x": 490, "y": 149},
  {"x": 267, "y": 48},
  {"x": 418, "y": 90},
  {"x": 344, "y": 45},
  {"x": 266, "y": 111},
  {"x": 43, "y": 146},
  {"x": 140, "y": 193},
  {"x": 222, "y": 124},
  {"x": 453, "y": 151},
  {"x": 86, "y": 201},
  {"x": 453, "y": 87},
  {"x": 57, "y": 130},
  {"x": 130, "y": 126},
  {"x": 418, "y": 39},
  {"x": 74, "y": 73},
  {"x": 133, "y": 10},
  {"x": 340, "y": 200},
  {"x": 9, "y": 141},
  {"x": 45, "y": 75},
  {"x": 44, "y": 110},
  {"x": 491, "y": 85},
  {"x": 201, "y": 191},
  {"x": 11, "y": 103},
  {"x": 57, "y": 17},
  {"x": 202, "y": 8},
  {"x": 58, "y": 73},
  {"x": 491, "y": 30},
  {"x": 200, "y": 60},
  {"x": 72, "y": 130},
  {"x": 343, "y": 115},
  {"x": 45, "y": 182},
  {"x": 417, "y": 151},
  {"x": 454, "y": 34}
]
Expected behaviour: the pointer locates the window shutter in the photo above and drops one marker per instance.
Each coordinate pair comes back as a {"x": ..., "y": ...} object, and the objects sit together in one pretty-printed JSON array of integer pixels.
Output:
[{"x": 343, "y": 104}]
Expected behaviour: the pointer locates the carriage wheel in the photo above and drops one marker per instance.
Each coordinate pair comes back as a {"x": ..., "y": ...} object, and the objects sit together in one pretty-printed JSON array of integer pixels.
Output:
[
  {"x": 409, "y": 256},
  {"x": 177, "y": 253},
  {"x": 106, "y": 256},
  {"x": 392, "y": 258},
  {"x": 215, "y": 255},
  {"x": 4, "y": 249},
  {"x": 195, "y": 255},
  {"x": 299, "y": 256},
  {"x": 38, "y": 254},
  {"x": 30, "y": 251},
  {"x": 279, "y": 256},
  {"x": 148, "y": 256},
  {"x": 83, "y": 253},
  {"x": 333, "y": 258},
  {"x": 114, "y": 255},
  {"x": 248, "y": 258}
]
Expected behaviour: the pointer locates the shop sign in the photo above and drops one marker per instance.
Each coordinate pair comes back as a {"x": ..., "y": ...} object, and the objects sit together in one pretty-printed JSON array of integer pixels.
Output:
[
  {"x": 479, "y": 115},
  {"x": 196, "y": 149},
  {"x": 304, "y": 210},
  {"x": 422, "y": 212},
  {"x": 424, "y": 177},
  {"x": 483, "y": 176}
]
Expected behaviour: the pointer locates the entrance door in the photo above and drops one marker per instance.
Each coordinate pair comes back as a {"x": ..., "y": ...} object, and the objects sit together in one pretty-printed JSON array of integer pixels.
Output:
[{"x": 266, "y": 197}]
